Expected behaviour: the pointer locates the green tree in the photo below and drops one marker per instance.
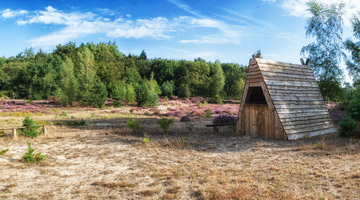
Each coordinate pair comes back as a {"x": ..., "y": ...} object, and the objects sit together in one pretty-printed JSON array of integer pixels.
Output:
[
  {"x": 86, "y": 74},
  {"x": 68, "y": 83},
  {"x": 353, "y": 64},
  {"x": 146, "y": 96},
  {"x": 235, "y": 76},
  {"x": 153, "y": 85},
  {"x": 331, "y": 90},
  {"x": 217, "y": 80},
  {"x": 97, "y": 95},
  {"x": 167, "y": 88},
  {"x": 38, "y": 79},
  {"x": 325, "y": 25}
]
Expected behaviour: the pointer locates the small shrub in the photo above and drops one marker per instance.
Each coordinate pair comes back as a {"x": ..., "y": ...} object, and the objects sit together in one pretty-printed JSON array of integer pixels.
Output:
[
  {"x": 31, "y": 157},
  {"x": 353, "y": 107},
  {"x": 189, "y": 126},
  {"x": 348, "y": 126},
  {"x": 165, "y": 124},
  {"x": 207, "y": 113},
  {"x": 131, "y": 111},
  {"x": 199, "y": 104},
  {"x": 133, "y": 124},
  {"x": 64, "y": 114},
  {"x": 30, "y": 130},
  {"x": 146, "y": 139},
  {"x": 93, "y": 115},
  {"x": 206, "y": 103},
  {"x": 2, "y": 152},
  {"x": 225, "y": 119},
  {"x": 117, "y": 103},
  {"x": 73, "y": 117},
  {"x": 185, "y": 119}
]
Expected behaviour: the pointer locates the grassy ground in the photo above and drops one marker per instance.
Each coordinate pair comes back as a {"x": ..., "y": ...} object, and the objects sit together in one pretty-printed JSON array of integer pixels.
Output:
[{"x": 105, "y": 160}]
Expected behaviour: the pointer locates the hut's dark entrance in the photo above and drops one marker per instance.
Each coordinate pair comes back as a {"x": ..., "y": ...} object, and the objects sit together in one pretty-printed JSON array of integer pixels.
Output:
[{"x": 255, "y": 95}]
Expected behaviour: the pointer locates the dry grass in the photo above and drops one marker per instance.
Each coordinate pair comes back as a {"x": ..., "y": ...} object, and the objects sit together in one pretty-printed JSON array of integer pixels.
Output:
[{"x": 104, "y": 160}]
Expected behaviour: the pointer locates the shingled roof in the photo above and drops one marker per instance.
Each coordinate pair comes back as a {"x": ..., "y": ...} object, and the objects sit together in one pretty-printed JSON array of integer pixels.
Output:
[{"x": 291, "y": 92}]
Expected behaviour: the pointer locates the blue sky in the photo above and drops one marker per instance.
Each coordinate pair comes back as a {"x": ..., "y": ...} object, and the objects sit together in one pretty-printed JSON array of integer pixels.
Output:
[{"x": 229, "y": 31}]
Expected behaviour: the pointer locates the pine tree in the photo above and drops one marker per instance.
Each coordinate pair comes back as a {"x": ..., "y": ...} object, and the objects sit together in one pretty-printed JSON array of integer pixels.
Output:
[
  {"x": 218, "y": 80},
  {"x": 69, "y": 84}
]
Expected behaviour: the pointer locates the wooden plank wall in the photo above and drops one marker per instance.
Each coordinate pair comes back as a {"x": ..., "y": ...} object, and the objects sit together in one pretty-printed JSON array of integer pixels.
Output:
[
  {"x": 296, "y": 98},
  {"x": 259, "y": 121}
]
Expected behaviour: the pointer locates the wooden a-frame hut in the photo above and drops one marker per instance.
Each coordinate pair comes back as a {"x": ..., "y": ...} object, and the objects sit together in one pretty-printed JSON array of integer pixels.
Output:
[{"x": 282, "y": 101}]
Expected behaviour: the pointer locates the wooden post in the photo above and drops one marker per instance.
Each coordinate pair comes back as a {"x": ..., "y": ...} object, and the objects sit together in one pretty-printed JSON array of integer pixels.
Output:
[{"x": 14, "y": 133}]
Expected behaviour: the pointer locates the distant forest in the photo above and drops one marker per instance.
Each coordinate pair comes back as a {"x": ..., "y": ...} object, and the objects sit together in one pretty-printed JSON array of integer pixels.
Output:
[{"x": 91, "y": 72}]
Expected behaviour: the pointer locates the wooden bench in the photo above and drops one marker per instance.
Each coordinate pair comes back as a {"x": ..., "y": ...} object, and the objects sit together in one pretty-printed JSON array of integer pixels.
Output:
[
  {"x": 14, "y": 130},
  {"x": 215, "y": 126}
]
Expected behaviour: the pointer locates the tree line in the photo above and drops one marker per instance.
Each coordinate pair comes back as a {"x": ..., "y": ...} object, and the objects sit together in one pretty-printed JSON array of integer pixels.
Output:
[{"x": 90, "y": 73}]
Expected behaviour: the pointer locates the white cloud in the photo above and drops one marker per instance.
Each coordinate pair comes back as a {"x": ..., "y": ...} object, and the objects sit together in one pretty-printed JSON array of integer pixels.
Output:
[
  {"x": 298, "y": 8},
  {"x": 8, "y": 13},
  {"x": 53, "y": 16},
  {"x": 74, "y": 25},
  {"x": 155, "y": 28}
]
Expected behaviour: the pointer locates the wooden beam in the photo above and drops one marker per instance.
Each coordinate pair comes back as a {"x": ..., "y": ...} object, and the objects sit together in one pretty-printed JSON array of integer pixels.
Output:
[
  {"x": 247, "y": 85},
  {"x": 267, "y": 97}
]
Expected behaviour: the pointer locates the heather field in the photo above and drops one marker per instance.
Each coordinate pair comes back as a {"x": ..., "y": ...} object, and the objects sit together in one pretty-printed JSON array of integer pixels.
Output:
[{"x": 104, "y": 159}]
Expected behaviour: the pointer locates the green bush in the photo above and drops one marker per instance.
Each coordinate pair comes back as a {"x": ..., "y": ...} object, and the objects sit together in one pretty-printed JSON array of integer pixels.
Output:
[
  {"x": 64, "y": 114},
  {"x": 189, "y": 126},
  {"x": 2, "y": 152},
  {"x": 207, "y": 113},
  {"x": 31, "y": 157},
  {"x": 167, "y": 88},
  {"x": 96, "y": 97},
  {"x": 353, "y": 107},
  {"x": 123, "y": 92},
  {"x": 348, "y": 126},
  {"x": 117, "y": 103},
  {"x": 331, "y": 90},
  {"x": 145, "y": 96},
  {"x": 153, "y": 99},
  {"x": 184, "y": 91},
  {"x": 130, "y": 95},
  {"x": 30, "y": 130},
  {"x": 99, "y": 94},
  {"x": 206, "y": 103},
  {"x": 134, "y": 125},
  {"x": 146, "y": 139},
  {"x": 165, "y": 124}
]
